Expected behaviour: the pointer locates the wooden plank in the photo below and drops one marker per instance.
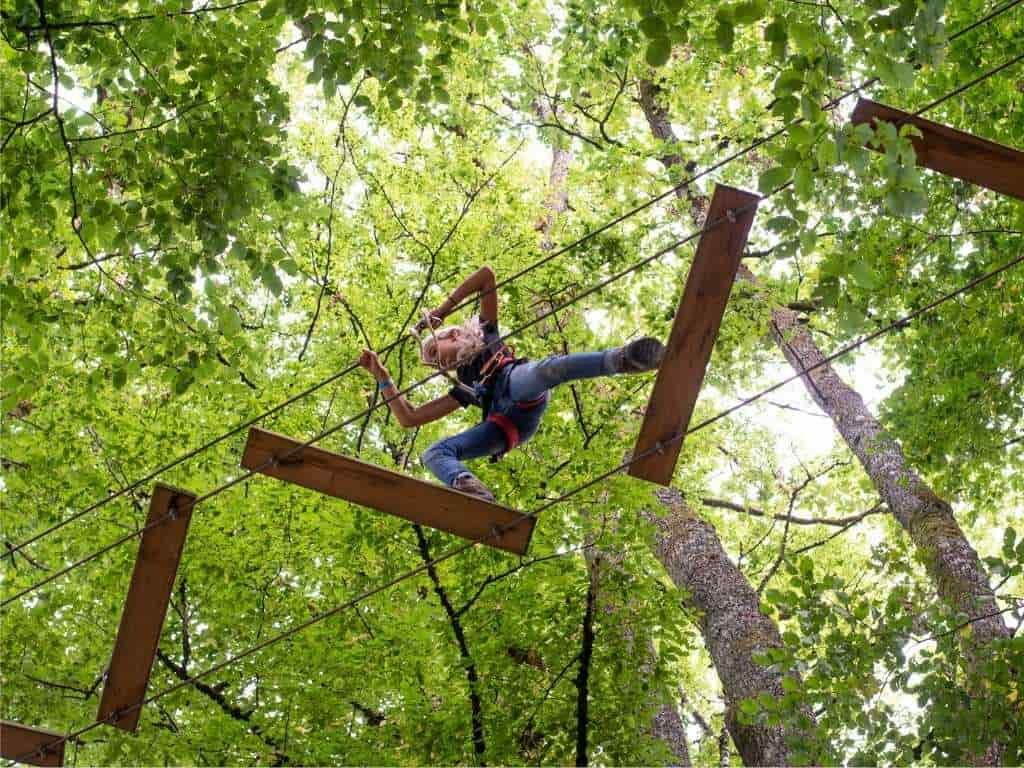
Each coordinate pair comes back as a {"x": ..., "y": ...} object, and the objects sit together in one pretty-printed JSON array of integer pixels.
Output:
[
  {"x": 29, "y": 745},
  {"x": 371, "y": 486},
  {"x": 145, "y": 607},
  {"x": 954, "y": 152},
  {"x": 693, "y": 335}
]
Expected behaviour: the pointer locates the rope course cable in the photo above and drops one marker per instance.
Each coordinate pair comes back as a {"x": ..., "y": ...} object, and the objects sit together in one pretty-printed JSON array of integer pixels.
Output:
[
  {"x": 970, "y": 285},
  {"x": 739, "y": 154},
  {"x": 406, "y": 575},
  {"x": 353, "y": 419},
  {"x": 347, "y": 422}
]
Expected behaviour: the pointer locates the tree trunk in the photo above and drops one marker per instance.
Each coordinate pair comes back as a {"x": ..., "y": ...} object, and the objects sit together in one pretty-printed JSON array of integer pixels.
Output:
[
  {"x": 557, "y": 201},
  {"x": 661, "y": 128},
  {"x": 667, "y": 725},
  {"x": 731, "y": 622},
  {"x": 954, "y": 566},
  {"x": 959, "y": 576},
  {"x": 956, "y": 570}
]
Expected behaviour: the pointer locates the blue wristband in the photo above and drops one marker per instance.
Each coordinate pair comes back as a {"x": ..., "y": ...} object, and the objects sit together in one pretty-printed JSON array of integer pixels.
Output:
[{"x": 382, "y": 385}]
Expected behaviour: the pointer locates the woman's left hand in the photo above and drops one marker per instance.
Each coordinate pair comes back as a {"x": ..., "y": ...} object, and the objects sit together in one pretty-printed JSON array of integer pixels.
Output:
[
  {"x": 421, "y": 326},
  {"x": 369, "y": 360}
]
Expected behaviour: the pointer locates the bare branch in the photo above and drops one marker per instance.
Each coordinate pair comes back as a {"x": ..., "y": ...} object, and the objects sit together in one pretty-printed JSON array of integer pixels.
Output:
[
  {"x": 479, "y": 746},
  {"x": 89, "y": 23},
  {"x": 837, "y": 522}
]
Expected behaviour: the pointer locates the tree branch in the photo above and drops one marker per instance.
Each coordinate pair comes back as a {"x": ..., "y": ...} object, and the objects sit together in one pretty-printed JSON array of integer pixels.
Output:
[
  {"x": 837, "y": 522},
  {"x": 583, "y": 675},
  {"x": 88, "y": 23},
  {"x": 80, "y": 693},
  {"x": 479, "y": 747},
  {"x": 216, "y": 695}
]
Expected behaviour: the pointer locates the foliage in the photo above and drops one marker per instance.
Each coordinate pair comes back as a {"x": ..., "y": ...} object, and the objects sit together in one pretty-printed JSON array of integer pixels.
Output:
[{"x": 230, "y": 201}]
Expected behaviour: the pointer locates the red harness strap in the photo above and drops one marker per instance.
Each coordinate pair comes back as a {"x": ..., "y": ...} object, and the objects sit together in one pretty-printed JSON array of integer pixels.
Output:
[{"x": 508, "y": 427}]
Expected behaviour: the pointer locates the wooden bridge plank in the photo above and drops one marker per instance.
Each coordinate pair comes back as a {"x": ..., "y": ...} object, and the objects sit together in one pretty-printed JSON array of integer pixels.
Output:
[
  {"x": 145, "y": 607},
  {"x": 371, "y": 486},
  {"x": 17, "y": 741},
  {"x": 954, "y": 152},
  {"x": 693, "y": 335}
]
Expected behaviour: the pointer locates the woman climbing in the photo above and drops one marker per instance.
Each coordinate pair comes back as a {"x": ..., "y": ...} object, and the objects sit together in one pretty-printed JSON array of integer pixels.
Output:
[{"x": 512, "y": 392}]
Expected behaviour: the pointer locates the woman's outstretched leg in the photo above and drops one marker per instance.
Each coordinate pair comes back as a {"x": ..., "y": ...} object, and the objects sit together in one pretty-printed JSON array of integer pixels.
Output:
[
  {"x": 529, "y": 380},
  {"x": 444, "y": 458}
]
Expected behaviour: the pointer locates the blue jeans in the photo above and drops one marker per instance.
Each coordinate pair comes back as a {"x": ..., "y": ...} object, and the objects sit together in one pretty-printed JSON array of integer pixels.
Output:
[{"x": 514, "y": 387}]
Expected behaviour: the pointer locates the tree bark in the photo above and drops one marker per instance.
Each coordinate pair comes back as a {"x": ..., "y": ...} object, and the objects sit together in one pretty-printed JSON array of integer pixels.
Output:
[
  {"x": 669, "y": 728},
  {"x": 731, "y": 622},
  {"x": 557, "y": 201},
  {"x": 955, "y": 568}
]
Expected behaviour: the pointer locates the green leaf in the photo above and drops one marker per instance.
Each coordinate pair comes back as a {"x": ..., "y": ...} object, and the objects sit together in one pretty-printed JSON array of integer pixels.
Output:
[
  {"x": 658, "y": 51},
  {"x": 750, "y": 11},
  {"x": 653, "y": 27},
  {"x": 182, "y": 382},
  {"x": 725, "y": 35},
  {"x": 826, "y": 153},
  {"x": 906, "y": 202},
  {"x": 903, "y": 74},
  {"x": 803, "y": 182},
  {"x": 780, "y": 224},
  {"x": 863, "y": 275},
  {"x": 771, "y": 179},
  {"x": 271, "y": 280},
  {"x": 775, "y": 31},
  {"x": 230, "y": 322},
  {"x": 805, "y": 36},
  {"x": 800, "y": 135}
]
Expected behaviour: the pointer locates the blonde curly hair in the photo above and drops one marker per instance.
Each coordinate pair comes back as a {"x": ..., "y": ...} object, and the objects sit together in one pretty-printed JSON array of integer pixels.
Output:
[{"x": 469, "y": 344}]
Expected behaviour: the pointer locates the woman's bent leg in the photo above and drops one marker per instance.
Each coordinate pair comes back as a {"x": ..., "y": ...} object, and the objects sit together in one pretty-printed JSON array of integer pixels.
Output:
[
  {"x": 444, "y": 458},
  {"x": 528, "y": 381}
]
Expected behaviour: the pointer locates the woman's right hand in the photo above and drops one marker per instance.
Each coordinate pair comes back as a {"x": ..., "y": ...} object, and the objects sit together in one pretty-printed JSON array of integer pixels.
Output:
[{"x": 369, "y": 360}]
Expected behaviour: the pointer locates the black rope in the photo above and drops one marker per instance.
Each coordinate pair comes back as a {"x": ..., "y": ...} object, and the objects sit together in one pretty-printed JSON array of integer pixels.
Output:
[
  {"x": 980, "y": 78},
  {"x": 986, "y": 18},
  {"x": 352, "y": 419},
  {"x": 593, "y": 289},
  {"x": 526, "y": 270},
  {"x": 624, "y": 465},
  {"x": 499, "y": 530}
]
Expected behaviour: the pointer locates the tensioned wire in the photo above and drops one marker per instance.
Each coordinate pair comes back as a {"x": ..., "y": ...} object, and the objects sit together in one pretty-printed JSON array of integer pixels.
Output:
[
  {"x": 12, "y": 551},
  {"x": 331, "y": 430},
  {"x": 498, "y": 530},
  {"x": 353, "y": 419}
]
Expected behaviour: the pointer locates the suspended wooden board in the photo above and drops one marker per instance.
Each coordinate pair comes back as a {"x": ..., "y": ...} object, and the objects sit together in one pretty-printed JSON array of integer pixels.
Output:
[
  {"x": 30, "y": 745},
  {"x": 693, "y": 334},
  {"x": 369, "y": 485},
  {"x": 145, "y": 608},
  {"x": 954, "y": 152}
]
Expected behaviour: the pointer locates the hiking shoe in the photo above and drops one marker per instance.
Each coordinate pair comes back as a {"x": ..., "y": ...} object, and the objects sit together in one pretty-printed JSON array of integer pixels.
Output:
[
  {"x": 643, "y": 354},
  {"x": 468, "y": 483}
]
